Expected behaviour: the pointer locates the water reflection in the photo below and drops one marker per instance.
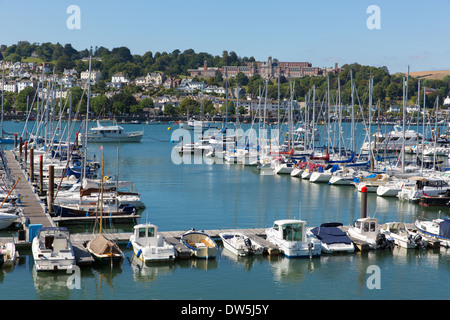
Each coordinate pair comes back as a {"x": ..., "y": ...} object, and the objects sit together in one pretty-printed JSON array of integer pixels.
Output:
[{"x": 292, "y": 270}]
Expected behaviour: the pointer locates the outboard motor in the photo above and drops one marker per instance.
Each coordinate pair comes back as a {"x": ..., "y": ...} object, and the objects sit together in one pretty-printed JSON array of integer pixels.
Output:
[
  {"x": 418, "y": 241},
  {"x": 248, "y": 244},
  {"x": 383, "y": 242}
]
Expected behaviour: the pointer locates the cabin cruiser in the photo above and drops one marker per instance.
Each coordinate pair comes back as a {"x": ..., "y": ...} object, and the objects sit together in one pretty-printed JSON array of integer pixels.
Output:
[
  {"x": 393, "y": 141},
  {"x": 366, "y": 231},
  {"x": 423, "y": 186},
  {"x": 112, "y": 133},
  {"x": 437, "y": 230},
  {"x": 149, "y": 246},
  {"x": 291, "y": 237}
]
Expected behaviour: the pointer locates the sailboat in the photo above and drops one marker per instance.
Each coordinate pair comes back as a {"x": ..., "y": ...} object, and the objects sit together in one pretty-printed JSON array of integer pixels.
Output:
[{"x": 102, "y": 249}]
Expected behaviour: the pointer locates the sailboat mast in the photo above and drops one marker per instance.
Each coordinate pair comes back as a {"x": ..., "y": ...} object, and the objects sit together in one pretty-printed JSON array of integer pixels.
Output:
[
  {"x": 101, "y": 192},
  {"x": 353, "y": 114},
  {"x": 405, "y": 99},
  {"x": 3, "y": 88},
  {"x": 87, "y": 121}
]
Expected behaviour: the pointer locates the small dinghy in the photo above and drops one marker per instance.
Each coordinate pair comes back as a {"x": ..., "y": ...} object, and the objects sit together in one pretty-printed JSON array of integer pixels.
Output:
[
  {"x": 200, "y": 244},
  {"x": 240, "y": 244}
]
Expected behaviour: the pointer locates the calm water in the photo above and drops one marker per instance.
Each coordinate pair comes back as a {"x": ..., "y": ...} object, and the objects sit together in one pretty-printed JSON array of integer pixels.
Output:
[{"x": 179, "y": 197}]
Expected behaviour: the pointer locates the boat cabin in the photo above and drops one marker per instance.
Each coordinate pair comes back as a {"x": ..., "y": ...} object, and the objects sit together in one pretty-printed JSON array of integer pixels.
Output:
[
  {"x": 146, "y": 234},
  {"x": 290, "y": 230},
  {"x": 367, "y": 227}
]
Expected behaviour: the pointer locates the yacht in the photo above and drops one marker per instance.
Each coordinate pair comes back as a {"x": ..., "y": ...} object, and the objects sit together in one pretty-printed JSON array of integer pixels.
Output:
[
  {"x": 422, "y": 186},
  {"x": 393, "y": 141},
  {"x": 112, "y": 133},
  {"x": 291, "y": 237}
]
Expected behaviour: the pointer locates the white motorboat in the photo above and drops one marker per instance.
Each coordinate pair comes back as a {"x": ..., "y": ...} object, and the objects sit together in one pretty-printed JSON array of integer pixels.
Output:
[
  {"x": 149, "y": 246},
  {"x": 393, "y": 141},
  {"x": 200, "y": 244},
  {"x": 422, "y": 186},
  {"x": 52, "y": 249},
  {"x": 7, "y": 217},
  {"x": 240, "y": 244},
  {"x": 291, "y": 237},
  {"x": 437, "y": 230},
  {"x": 283, "y": 167},
  {"x": 332, "y": 238},
  {"x": 403, "y": 237},
  {"x": 8, "y": 253},
  {"x": 367, "y": 232},
  {"x": 112, "y": 133}
]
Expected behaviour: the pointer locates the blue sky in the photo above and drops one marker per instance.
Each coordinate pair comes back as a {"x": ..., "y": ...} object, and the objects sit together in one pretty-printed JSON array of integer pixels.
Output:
[{"x": 322, "y": 32}]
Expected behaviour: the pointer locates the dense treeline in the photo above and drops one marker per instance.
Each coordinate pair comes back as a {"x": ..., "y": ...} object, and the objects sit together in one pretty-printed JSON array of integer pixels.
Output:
[{"x": 387, "y": 90}]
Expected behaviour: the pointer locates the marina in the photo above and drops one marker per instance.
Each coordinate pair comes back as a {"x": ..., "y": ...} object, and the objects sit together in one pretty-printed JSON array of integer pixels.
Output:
[{"x": 118, "y": 228}]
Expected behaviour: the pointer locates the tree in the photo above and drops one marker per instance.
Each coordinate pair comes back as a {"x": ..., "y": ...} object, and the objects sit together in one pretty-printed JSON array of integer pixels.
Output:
[
  {"x": 147, "y": 103},
  {"x": 170, "y": 110},
  {"x": 241, "y": 79},
  {"x": 392, "y": 90},
  {"x": 21, "y": 99}
]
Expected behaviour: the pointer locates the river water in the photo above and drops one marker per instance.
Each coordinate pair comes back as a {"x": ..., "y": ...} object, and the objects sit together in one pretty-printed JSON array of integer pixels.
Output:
[{"x": 204, "y": 196}]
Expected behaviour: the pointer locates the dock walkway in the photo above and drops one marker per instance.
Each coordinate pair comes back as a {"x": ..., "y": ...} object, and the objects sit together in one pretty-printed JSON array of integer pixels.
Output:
[{"x": 33, "y": 208}]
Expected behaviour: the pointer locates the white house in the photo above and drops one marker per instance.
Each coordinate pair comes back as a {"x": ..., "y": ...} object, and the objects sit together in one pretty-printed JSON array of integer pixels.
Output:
[
  {"x": 155, "y": 78},
  {"x": 10, "y": 86},
  {"x": 95, "y": 75},
  {"x": 23, "y": 84},
  {"x": 140, "y": 81},
  {"x": 447, "y": 100},
  {"x": 120, "y": 78}
]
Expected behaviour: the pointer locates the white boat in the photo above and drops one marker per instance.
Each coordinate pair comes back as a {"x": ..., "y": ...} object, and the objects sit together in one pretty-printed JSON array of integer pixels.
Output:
[
  {"x": 403, "y": 237},
  {"x": 372, "y": 182},
  {"x": 7, "y": 219},
  {"x": 437, "y": 230},
  {"x": 197, "y": 125},
  {"x": 345, "y": 177},
  {"x": 393, "y": 141},
  {"x": 52, "y": 249},
  {"x": 284, "y": 167},
  {"x": 392, "y": 188},
  {"x": 240, "y": 244},
  {"x": 367, "y": 232},
  {"x": 112, "y": 133},
  {"x": 200, "y": 244},
  {"x": 323, "y": 175},
  {"x": 149, "y": 246},
  {"x": 291, "y": 237},
  {"x": 332, "y": 238},
  {"x": 422, "y": 186},
  {"x": 8, "y": 253}
]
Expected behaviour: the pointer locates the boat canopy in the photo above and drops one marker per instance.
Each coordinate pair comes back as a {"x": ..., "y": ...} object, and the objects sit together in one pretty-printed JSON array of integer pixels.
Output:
[
  {"x": 330, "y": 234},
  {"x": 444, "y": 228}
]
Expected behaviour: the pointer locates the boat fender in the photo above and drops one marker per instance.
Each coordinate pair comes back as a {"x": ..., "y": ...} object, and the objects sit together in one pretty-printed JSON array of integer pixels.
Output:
[
  {"x": 138, "y": 254},
  {"x": 128, "y": 244}
]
